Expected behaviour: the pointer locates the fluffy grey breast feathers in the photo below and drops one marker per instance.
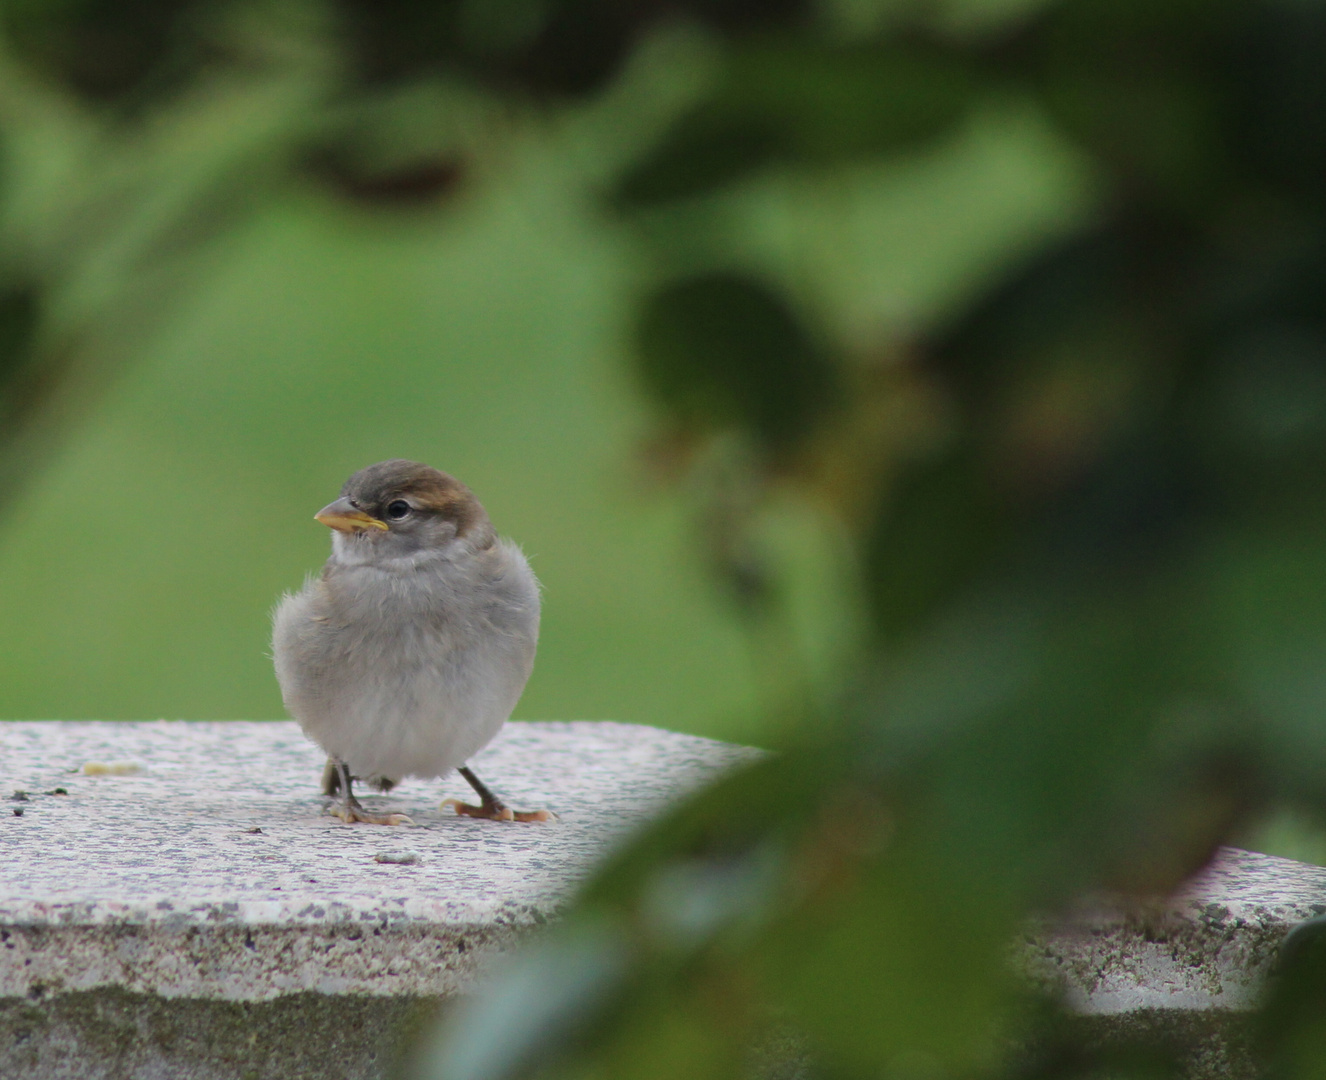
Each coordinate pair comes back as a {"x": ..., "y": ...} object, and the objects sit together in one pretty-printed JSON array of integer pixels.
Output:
[{"x": 409, "y": 652}]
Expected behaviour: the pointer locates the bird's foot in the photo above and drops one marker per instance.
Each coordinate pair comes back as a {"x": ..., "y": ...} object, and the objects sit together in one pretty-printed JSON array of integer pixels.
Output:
[
  {"x": 351, "y": 814},
  {"x": 497, "y": 811}
]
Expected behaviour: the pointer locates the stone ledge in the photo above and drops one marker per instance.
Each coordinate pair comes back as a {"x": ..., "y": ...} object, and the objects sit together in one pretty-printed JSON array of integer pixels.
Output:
[
  {"x": 214, "y": 873},
  {"x": 205, "y": 918},
  {"x": 1210, "y": 947},
  {"x": 108, "y": 1034},
  {"x": 1185, "y": 972}
]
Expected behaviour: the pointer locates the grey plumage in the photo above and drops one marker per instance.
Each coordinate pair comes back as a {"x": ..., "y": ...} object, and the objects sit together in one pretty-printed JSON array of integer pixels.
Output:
[{"x": 409, "y": 652}]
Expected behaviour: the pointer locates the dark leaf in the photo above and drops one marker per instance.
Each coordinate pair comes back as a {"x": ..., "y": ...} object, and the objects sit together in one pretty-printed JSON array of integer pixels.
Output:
[
  {"x": 726, "y": 350},
  {"x": 1275, "y": 103},
  {"x": 19, "y": 315},
  {"x": 120, "y": 52},
  {"x": 803, "y": 106},
  {"x": 1140, "y": 87}
]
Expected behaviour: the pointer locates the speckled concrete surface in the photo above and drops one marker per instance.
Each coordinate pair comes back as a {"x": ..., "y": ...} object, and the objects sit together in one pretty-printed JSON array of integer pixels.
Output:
[
  {"x": 204, "y": 918},
  {"x": 1208, "y": 948},
  {"x": 215, "y": 872}
]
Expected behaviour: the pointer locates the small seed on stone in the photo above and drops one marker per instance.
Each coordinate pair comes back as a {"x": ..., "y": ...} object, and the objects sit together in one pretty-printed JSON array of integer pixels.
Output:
[
  {"x": 112, "y": 768},
  {"x": 18, "y": 811}
]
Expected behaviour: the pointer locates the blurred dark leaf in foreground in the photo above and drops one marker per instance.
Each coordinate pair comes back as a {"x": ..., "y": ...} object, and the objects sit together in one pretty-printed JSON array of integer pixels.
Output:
[
  {"x": 113, "y": 52},
  {"x": 415, "y": 182},
  {"x": 725, "y": 350},
  {"x": 542, "y": 48},
  {"x": 1097, "y": 598},
  {"x": 798, "y": 103}
]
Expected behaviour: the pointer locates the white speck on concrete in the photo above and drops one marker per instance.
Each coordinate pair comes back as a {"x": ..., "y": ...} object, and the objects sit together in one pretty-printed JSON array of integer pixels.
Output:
[{"x": 401, "y": 858}]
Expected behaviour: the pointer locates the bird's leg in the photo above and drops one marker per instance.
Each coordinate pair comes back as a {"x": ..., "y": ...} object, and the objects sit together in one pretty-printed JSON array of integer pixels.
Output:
[
  {"x": 331, "y": 778},
  {"x": 490, "y": 805},
  {"x": 349, "y": 809}
]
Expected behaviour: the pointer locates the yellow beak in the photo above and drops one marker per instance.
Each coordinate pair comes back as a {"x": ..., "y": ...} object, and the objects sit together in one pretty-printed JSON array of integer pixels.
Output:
[{"x": 343, "y": 517}]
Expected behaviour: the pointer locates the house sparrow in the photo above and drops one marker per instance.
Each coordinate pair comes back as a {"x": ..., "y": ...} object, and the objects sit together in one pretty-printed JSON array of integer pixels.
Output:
[{"x": 407, "y": 655}]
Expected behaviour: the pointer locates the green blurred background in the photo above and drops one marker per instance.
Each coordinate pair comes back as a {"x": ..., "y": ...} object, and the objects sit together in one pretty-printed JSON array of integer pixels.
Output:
[{"x": 488, "y": 338}]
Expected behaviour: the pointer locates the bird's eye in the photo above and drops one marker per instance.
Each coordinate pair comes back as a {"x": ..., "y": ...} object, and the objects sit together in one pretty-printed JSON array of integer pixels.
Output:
[{"x": 397, "y": 509}]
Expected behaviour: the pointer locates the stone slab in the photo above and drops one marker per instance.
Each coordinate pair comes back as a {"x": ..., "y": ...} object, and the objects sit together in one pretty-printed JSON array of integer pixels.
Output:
[
  {"x": 1209, "y": 947},
  {"x": 202, "y": 917},
  {"x": 1182, "y": 973},
  {"x": 109, "y": 1034},
  {"x": 214, "y": 872}
]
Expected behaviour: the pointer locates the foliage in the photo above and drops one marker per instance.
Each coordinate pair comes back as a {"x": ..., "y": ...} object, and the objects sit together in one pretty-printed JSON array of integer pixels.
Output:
[{"x": 1093, "y": 553}]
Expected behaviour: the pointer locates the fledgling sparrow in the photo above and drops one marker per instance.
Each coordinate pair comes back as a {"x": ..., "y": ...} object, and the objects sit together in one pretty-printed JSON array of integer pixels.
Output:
[{"x": 407, "y": 655}]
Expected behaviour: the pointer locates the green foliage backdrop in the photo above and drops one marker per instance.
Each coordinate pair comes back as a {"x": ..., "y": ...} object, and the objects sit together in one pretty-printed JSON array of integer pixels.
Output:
[
  {"x": 979, "y": 350},
  {"x": 247, "y": 335}
]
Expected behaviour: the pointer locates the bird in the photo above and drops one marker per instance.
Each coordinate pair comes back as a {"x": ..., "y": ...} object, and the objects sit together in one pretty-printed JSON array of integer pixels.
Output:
[{"x": 408, "y": 653}]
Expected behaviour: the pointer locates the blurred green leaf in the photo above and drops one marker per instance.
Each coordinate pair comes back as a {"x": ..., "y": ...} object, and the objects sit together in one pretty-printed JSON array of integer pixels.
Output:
[
  {"x": 118, "y": 52},
  {"x": 1275, "y": 99},
  {"x": 780, "y": 103},
  {"x": 535, "y": 1005},
  {"x": 725, "y": 349},
  {"x": 942, "y": 527},
  {"x": 893, "y": 965},
  {"x": 18, "y": 328},
  {"x": 1293, "y": 1021}
]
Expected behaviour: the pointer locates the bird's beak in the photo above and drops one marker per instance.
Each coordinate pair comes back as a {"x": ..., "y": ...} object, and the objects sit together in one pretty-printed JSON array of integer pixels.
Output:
[{"x": 343, "y": 517}]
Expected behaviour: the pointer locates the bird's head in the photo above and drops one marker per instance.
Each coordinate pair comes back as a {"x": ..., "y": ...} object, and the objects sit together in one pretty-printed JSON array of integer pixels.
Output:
[{"x": 399, "y": 509}]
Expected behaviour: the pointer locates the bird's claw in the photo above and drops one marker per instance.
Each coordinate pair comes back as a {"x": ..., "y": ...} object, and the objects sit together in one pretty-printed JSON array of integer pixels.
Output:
[
  {"x": 352, "y": 814},
  {"x": 497, "y": 813}
]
